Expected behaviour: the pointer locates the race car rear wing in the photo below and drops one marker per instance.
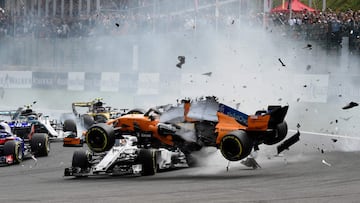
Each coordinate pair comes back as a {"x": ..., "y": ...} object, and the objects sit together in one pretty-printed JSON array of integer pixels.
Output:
[{"x": 277, "y": 115}]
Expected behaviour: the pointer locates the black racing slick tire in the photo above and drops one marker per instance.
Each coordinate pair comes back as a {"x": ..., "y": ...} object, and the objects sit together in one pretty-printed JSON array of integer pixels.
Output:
[
  {"x": 69, "y": 125},
  {"x": 279, "y": 135},
  {"x": 80, "y": 159},
  {"x": 236, "y": 145},
  {"x": 136, "y": 111},
  {"x": 100, "y": 137},
  {"x": 147, "y": 158},
  {"x": 13, "y": 148},
  {"x": 40, "y": 144}
]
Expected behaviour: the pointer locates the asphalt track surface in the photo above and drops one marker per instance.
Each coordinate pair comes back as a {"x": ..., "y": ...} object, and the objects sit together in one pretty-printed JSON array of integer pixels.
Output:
[{"x": 300, "y": 175}]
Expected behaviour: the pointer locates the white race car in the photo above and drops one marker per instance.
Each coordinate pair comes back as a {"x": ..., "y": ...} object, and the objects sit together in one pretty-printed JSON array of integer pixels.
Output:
[{"x": 124, "y": 158}]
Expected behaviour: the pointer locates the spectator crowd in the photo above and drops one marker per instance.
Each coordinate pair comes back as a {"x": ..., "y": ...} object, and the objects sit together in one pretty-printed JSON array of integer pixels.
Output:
[{"x": 327, "y": 28}]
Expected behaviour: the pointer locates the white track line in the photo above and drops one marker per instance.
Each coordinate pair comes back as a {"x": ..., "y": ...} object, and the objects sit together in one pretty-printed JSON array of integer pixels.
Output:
[{"x": 326, "y": 134}]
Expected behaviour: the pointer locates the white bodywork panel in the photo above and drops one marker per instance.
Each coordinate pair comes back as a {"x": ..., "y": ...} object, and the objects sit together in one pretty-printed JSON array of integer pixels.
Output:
[
  {"x": 175, "y": 114},
  {"x": 187, "y": 131},
  {"x": 204, "y": 110},
  {"x": 125, "y": 146},
  {"x": 6, "y": 127}
]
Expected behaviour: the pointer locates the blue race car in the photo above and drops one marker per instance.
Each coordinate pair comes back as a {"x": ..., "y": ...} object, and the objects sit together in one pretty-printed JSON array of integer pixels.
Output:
[{"x": 13, "y": 149}]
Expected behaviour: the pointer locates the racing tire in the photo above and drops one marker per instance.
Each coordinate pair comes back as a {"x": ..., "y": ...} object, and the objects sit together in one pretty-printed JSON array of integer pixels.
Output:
[
  {"x": 147, "y": 158},
  {"x": 13, "y": 148},
  {"x": 80, "y": 159},
  {"x": 69, "y": 125},
  {"x": 136, "y": 111},
  {"x": 279, "y": 135},
  {"x": 40, "y": 144},
  {"x": 87, "y": 121},
  {"x": 236, "y": 145},
  {"x": 100, "y": 137}
]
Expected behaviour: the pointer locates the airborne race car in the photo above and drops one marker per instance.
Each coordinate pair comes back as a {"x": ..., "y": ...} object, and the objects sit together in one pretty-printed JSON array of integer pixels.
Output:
[{"x": 191, "y": 125}]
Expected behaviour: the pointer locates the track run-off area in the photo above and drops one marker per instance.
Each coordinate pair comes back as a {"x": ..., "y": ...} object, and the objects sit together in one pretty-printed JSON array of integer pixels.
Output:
[{"x": 309, "y": 172}]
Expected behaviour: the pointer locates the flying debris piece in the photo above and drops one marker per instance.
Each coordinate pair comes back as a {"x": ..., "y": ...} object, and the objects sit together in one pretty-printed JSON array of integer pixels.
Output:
[
  {"x": 350, "y": 105},
  {"x": 281, "y": 62},
  {"x": 336, "y": 121},
  {"x": 298, "y": 99},
  {"x": 298, "y": 125},
  {"x": 308, "y": 46},
  {"x": 244, "y": 86},
  {"x": 308, "y": 67},
  {"x": 181, "y": 61},
  {"x": 340, "y": 95},
  {"x": 33, "y": 157},
  {"x": 334, "y": 140},
  {"x": 117, "y": 24},
  {"x": 280, "y": 99},
  {"x": 326, "y": 163},
  {"x": 207, "y": 74},
  {"x": 288, "y": 142},
  {"x": 251, "y": 162},
  {"x": 322, "y": 151},
  {"x": 232, "y": 22},
  {"x": 305, "y": 86}
]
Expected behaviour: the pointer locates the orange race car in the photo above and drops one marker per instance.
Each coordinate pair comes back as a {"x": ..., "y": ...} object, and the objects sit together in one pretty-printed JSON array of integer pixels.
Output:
[{"x": 193, "y": 124}]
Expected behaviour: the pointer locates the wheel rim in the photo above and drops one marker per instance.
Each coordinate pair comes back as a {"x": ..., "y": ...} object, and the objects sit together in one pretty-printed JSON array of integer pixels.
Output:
[
  {"x": 17, "y": 153},
  {"x": 20, "y": 153},
  {"x": 47, "y": 145}
]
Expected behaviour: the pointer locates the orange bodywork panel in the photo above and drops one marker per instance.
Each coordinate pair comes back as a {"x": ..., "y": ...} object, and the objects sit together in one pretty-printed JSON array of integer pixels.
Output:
[
  {"x": 126, "y": 124},
  {"x": 72, "y": 141},
  {"x": 258, "y": 122},
  {"x": 186, "y": 111},
  {"x": 225, "y": 125}
]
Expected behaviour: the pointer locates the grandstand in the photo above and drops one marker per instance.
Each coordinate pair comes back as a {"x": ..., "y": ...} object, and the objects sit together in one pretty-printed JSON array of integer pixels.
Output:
[
  {"x": 70, "y": 8},
  {"x": 84, "y": 34}
]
